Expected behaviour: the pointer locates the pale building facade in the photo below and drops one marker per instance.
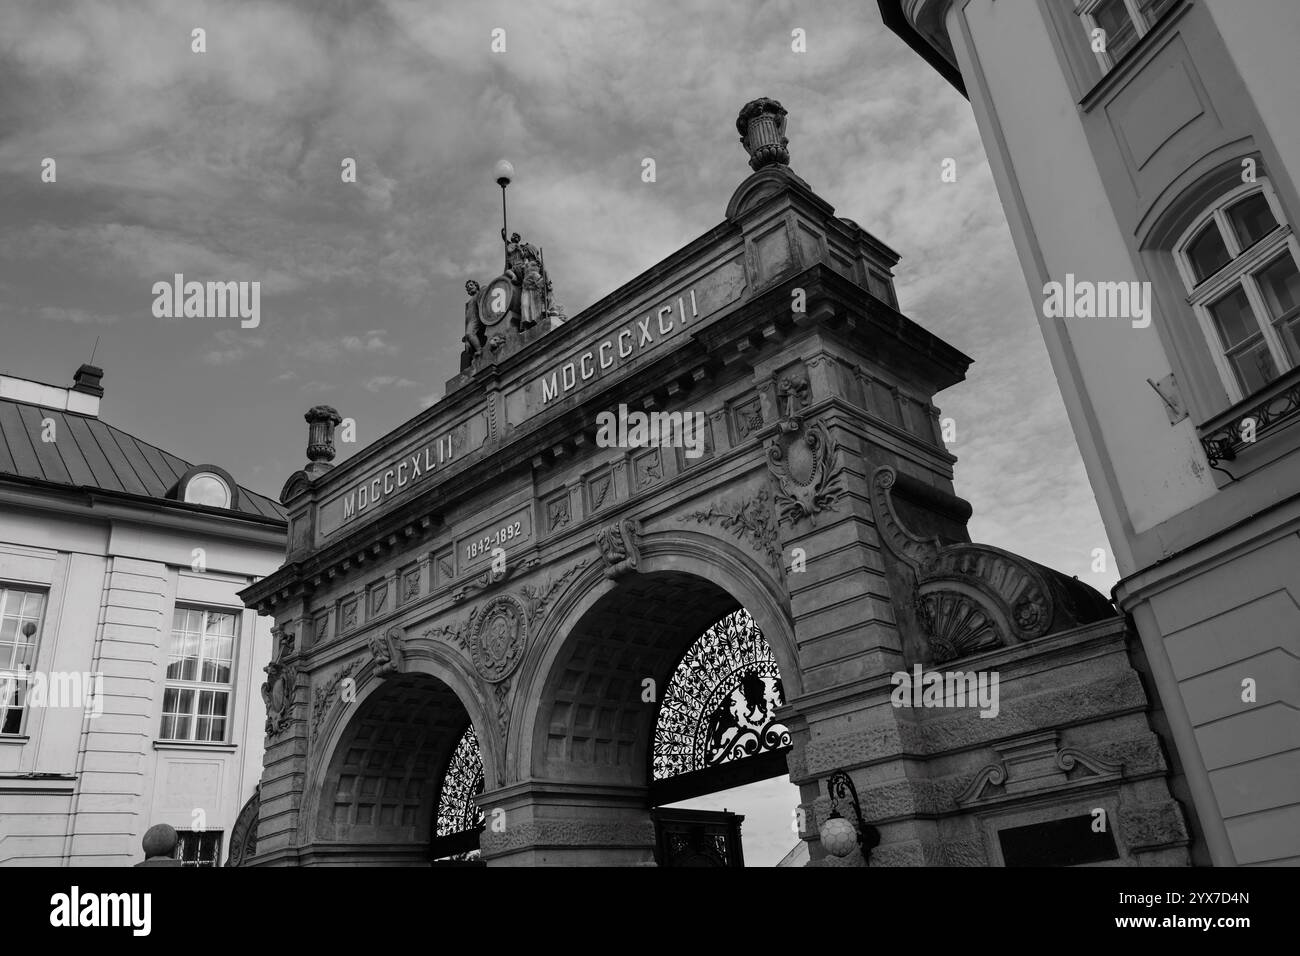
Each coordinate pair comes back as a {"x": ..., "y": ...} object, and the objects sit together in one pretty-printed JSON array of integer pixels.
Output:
[
  {"x": 129, "y": 672},
  {"x": 1156, "y": 141}
]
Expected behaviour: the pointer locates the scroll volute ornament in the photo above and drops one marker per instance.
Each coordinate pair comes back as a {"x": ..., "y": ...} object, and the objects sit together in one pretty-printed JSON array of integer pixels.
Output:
[{"x": 967, "y": 597}]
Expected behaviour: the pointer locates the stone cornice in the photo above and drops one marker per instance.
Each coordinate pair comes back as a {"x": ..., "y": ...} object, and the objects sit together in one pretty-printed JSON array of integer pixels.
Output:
[{"x": 832, "y": 299}]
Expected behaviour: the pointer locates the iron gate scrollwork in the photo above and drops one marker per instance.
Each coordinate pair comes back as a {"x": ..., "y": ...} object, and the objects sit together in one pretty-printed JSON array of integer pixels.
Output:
[
  {"x": 720, "y": 705},
  {"x": 459, "y": 817}
]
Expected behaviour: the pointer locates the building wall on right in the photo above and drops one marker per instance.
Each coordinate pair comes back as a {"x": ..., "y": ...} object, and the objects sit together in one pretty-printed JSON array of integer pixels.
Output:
[{"x": 1156, "y": 143}]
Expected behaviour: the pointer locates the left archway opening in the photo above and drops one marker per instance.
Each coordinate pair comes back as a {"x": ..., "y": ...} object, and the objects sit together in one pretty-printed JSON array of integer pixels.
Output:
[{"x": 403, "y": 749}]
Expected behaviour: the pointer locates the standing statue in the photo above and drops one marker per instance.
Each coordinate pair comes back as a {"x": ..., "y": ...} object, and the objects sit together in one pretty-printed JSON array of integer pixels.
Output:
[
  {"x": 500, "y": 313},
  {"x": 524, "y": 269},
  {"x": 473, "y": 337}
]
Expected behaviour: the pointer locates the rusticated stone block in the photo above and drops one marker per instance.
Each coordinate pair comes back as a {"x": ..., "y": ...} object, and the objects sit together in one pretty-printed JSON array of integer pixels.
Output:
[
  {"x": 568, "y": 833},
  {"x": 1149, "y": 826},
  {"x": 824, "y": 754}
]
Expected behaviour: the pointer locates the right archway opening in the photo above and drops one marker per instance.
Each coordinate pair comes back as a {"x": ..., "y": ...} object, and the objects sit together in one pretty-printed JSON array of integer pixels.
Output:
[
  {"x": 667, "y": 687},
  {"x": 720, "y": 746}
]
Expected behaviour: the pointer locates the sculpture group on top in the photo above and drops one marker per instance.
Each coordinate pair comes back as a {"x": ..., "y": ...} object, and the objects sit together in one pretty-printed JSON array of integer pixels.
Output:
[{"x": 510, "y": 310}]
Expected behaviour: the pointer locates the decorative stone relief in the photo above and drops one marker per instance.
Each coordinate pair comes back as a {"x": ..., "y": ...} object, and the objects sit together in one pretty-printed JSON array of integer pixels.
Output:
[
  {"x": 648, "y": 468},
  {"x": 748, "y": 417},
  {"x": 805, "y": 461},
  {"x": 496, "y": 633},
  {"x": 349, "y": 615},
  {"x": 956, "y": 625},
  {"x": 599, "y": 490},
  {"x": 750, "y": 519},
  {"x": 557, "y": 511},
  {"x": 502, "y": 693},
  {"x": 618, "y": 544},
  {"x": 538, "y": 600},
  {"x": 386, "y": 651},
  {"x": 411, "y": 585},
  {"x": 793, "y": 392},
  {"x": 323, "y": 697},
  {"x": 277, "y": 689},
  {"x": 457, "y": 634},
  {"x": 498, "y": 638},
  {"x": 491, "y": 577},
  {"x": 968, "y": 597},
  {"x": 378, "y": 597},
  {"x": 1035, "y": 764}
]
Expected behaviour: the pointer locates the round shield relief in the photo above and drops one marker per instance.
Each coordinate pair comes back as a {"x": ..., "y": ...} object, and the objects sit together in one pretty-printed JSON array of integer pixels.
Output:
[{"x": 495, "y": 300}]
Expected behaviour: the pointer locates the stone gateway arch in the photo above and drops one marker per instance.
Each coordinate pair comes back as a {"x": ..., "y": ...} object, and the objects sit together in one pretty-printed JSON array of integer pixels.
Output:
[{"x": 480, "y": 615}]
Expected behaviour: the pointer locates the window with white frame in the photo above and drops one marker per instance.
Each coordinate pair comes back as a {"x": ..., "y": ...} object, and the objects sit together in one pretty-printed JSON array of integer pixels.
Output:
[
  {"x": 1238, "y": 260},
  {"x": 1122, "y": 24},
  {"x": 200, "y": 666},
  {"x": 21, "y": 610}
]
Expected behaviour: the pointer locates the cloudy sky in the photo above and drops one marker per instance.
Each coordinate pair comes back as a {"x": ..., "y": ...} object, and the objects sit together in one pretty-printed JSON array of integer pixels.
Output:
[{"x": 226, "y": 165}]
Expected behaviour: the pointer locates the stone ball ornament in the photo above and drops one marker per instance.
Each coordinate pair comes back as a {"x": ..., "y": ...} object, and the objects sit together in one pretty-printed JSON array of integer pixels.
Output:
[
  {"x": 503, "y": 172},
  {"x": 838, "y": 836}
]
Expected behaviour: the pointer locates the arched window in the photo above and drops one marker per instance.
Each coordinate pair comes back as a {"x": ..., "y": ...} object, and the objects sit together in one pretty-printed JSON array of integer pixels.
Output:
[
  {"x": 721, "y": 702},
  {"x": 1238, "y": 260}
]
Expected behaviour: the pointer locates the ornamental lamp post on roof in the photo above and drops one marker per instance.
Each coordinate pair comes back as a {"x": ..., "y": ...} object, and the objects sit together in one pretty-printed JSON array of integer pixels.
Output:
[{"x": 504, "y": 173}]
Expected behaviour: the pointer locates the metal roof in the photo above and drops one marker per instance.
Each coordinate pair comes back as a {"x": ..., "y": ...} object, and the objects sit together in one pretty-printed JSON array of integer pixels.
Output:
[{"x": 92, "y": 455}]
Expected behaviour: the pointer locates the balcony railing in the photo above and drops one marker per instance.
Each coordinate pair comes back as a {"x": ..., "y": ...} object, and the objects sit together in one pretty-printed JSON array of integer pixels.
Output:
[{"x": 1265, "y": 413}]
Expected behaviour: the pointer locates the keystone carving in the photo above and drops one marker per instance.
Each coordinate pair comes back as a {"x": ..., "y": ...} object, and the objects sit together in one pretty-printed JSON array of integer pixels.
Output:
[
  {"x": 619, "y": 546},
  {"x": 386, "y": 651}
]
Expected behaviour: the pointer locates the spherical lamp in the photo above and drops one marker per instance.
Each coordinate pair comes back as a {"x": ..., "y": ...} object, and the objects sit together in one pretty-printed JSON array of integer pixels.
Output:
[
  {"x": 838, "y": 836},
  {"x": 504, "y": 173}
]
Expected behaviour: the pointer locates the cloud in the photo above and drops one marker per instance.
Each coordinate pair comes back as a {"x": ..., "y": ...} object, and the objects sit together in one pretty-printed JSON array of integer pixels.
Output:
[
  {"x": 233, "y": 346},
  {"x": 373, "y": 342},
  {"x": 388, "y": 381},
  {"x": 50, "y": 313},
  {"x": 226, "y": 166}
]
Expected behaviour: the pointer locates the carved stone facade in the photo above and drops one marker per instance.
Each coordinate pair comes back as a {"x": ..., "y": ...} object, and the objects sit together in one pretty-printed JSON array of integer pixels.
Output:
[{"x": 559, "y": 574}]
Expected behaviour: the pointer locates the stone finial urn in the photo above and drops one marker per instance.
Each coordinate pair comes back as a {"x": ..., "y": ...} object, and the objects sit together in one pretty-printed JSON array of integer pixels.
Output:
[
  {"x": 761, "y": 125},
  {"x": 321, "y": 421}
]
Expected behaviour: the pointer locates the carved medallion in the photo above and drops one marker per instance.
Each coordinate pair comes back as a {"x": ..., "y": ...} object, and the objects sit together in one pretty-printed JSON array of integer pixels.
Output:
[{"x": 499, "y": 637}]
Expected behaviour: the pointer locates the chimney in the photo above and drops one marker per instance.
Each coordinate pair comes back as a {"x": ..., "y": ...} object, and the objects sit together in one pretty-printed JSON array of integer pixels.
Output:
[{"x": 87, "y": 380}]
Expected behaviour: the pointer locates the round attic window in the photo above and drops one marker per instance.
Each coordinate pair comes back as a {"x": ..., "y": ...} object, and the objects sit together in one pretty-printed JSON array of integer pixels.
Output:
[{"x": 206, "y": 488}]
